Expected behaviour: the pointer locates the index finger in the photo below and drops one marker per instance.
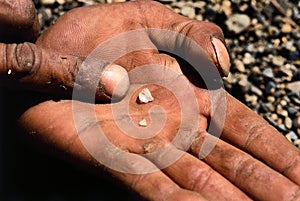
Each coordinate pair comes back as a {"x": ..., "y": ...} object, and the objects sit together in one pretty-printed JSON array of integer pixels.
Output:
[
  {"x": 250, "y": 132},
  {"x": 30, "y": 66}
]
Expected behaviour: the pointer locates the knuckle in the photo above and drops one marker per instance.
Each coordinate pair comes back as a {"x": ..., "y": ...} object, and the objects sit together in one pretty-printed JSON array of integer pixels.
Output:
[
  {"x": 25, "y": 57},
  {"x": 295, "y": 195},
  {"x": 198, "y": 178},
  {"x": 254, "y": 133},
  {"x": 149, "y": 3},
  {"x": 245, "y": 169},
  {"x": 292, "y": 166},
  {"x": 136, "y": 181}
]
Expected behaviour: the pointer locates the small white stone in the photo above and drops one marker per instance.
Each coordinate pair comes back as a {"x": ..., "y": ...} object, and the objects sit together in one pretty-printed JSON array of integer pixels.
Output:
[
  {"x": 61, "y": 1},
  {"x": 239, "y": 65},
  {"x": 145, "y": 96},
  {"x": 238, "y": 23},
  {"x": 143, "y": 123},
  {"x": 9, "y": 71},
  {"x": 297, "y": 142},
  {"x": 47, "y": 2},
  {"x": 294, "y": 86},
  {"x": 188, "y": 11},
  {"x": 288, "y": 122}
]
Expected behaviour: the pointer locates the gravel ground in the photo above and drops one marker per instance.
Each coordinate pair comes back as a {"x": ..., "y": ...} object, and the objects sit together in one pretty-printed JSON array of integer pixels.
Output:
[{"x": 263, "y": 41}]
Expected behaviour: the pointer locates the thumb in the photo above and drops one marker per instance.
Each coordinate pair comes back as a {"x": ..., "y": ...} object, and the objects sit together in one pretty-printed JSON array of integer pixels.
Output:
[{"x": 29, "y": 66}]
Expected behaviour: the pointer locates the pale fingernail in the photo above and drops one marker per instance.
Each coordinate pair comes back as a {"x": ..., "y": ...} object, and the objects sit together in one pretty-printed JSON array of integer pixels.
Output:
[
  {"x": 221, "y": 55},
  {"x": 115, "y": 81}
]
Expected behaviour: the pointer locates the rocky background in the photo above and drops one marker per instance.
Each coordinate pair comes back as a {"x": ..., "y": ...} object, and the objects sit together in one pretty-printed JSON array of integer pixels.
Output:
[{"x": 263, "y": 41}]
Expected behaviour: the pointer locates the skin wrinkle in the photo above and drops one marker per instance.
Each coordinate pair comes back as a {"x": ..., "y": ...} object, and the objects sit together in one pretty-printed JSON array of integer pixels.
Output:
[
  {"x": 295, "y": 195},
  {"x": 232, "y": 175},
  {"x": 254, "y": 172},
  {"x": 72, "y": 70},
  {"x": 291, "y": 164},
  {"x": 198, "y": 179},
  {"x": 197, "y": 143},
  {"x": 239, "y": 169},
  {"x": 260, "y": 148},
  {"x": 15, "y": 55},
  {"x": 143, "y": 21},
  {"x": 234, "y": 131},
  {"x": 184, "y": 29},
  {"x": 254, "y": 132},
  {"x": 204, "y": 180},
  {"x": 24, "y": 57},
  {"x": 34, "y": 62},
  {"x": 163, "y": 16},
  {"x": 15, "y": 58},
  {"x": 144, "y": 11},
  {"x": 33, "y": 58}
]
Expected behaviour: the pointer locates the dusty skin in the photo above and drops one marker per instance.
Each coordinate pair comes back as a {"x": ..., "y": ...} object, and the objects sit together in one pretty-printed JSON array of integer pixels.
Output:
[{"x": 242, "y": 164}]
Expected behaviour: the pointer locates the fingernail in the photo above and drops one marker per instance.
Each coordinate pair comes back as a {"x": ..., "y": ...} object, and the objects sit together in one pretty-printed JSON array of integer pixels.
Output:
[
  {"x": 115, "y": 81},
  {"x": 221, "y": 55}
]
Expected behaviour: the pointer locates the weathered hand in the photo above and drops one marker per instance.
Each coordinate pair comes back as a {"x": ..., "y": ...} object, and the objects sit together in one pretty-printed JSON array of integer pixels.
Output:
[
  {"x": 238, "y": 164},
  {"x": 30, "y": 66}
]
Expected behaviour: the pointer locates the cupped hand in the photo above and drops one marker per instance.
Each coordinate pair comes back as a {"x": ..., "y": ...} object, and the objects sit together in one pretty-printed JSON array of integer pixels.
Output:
[{"x": 184, "y": 159}]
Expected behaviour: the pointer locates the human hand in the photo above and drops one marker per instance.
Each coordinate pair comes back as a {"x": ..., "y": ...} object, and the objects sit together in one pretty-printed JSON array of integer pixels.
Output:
[
  {"x": 242, "y": 129},
  {"x": 30, "y": 66}
]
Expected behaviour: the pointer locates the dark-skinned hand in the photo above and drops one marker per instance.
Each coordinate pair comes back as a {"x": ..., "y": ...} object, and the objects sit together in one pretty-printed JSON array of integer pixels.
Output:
[{"x": 251, "y": 160}]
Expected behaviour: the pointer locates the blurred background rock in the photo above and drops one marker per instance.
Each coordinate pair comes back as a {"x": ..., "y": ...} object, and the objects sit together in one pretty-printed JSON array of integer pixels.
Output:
[{"x": 263, "y": 40}]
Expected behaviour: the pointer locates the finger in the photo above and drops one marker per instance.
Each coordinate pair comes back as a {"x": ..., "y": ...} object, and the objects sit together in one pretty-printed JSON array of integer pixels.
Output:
[
  {"x": 197, "y": 176},
  {"x": 247, "y": 130},
  {"x": 43, "y": 70},
  {"x": 149, "y": 57},
  {"x": 208, "y": 36},
  {"x": 154, "y": 185},
  {"x": 136, "y": 172},
  {"x": 18, "y": 21},
  {"x": 164, "y": 31},
  {"x": 250, "y": 175},
  {"x": 157, "y": 186}
]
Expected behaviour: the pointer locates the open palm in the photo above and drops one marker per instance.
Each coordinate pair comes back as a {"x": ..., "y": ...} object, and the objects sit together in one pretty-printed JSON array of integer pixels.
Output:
[{"x": 177, "y": 155}]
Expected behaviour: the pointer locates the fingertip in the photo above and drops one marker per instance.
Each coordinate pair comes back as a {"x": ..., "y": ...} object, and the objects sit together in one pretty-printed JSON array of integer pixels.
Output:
[
  {"x": 221, "y": 56},
  {"x": 115, "y": 81}
]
